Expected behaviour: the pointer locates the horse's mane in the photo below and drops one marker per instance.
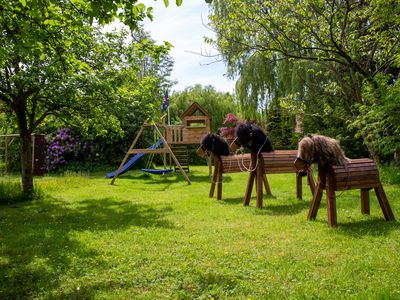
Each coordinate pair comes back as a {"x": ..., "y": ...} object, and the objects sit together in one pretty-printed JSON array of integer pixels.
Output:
[
  {"x": 215, "y": 143},
  {"x": 323, "y": 150},
  {"x": 253, "y": 137}
]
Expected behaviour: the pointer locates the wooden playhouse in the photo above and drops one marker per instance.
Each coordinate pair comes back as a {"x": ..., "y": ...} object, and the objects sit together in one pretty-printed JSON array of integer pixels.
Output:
[{"x": 196, "y": 122}]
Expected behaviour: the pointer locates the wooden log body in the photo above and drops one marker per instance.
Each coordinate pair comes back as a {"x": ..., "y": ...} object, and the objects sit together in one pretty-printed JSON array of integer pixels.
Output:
[
  {"x": 357, "y": 174},
  {"x": 276, "y": 162},
  {"x": 360, "y": 174},
  {"x": 280, "y": 161}
]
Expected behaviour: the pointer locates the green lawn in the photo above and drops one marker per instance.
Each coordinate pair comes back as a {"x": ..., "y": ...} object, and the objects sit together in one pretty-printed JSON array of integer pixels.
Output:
[{"x": 154, "y": 237}]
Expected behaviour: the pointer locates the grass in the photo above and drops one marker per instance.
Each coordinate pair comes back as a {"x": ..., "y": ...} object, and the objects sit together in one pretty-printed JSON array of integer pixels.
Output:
[
  {"x": 154, "y": 237},
  {"x": 11, "y": 192}
]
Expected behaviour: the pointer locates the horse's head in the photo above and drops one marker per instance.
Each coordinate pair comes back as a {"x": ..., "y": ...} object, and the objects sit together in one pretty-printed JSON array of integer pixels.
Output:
[
  {"x": 252, "y": 137},
  {"x": 305, "y": 155},
  {"x": 212, "y": 142},
  {"x": 319, "y": 149}
]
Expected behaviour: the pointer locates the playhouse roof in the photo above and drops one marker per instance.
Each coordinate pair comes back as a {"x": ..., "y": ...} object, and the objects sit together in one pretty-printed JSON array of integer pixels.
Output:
[{"x": 193, "y": 108}]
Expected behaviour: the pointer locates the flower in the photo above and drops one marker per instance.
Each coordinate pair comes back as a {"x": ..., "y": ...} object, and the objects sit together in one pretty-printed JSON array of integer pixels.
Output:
[
  {"x": 62, "y": 145},
  {"x": 230, "y": 121}
]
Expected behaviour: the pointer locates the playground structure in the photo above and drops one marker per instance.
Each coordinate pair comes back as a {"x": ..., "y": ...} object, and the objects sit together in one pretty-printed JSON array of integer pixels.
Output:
[
  {"x": 356, "y": 174},
  {"x": 38, "y": 152},
  {"x": 196, "y": 122}
]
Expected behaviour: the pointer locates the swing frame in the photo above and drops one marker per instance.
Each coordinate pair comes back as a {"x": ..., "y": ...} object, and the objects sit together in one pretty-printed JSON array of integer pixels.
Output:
[{"x": 166, "y": 149}]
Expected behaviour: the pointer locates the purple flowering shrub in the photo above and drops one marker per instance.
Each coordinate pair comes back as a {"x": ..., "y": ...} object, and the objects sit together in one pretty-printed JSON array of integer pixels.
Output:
[
  {"x": 230, "y": 122},
  {"x": 63, "y": 146}
]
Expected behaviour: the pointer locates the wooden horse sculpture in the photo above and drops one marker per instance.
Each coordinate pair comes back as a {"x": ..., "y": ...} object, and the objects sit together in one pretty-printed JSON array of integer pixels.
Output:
[
  {"x": 266, "y": 160},
  {"x": 337, "y": 173},
  {"x": 224, "y": 161}
]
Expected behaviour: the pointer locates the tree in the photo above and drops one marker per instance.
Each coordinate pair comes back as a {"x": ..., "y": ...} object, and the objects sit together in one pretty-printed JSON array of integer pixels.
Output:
[
  {"x": 48, "y": 65},
  {"x": 353, "y": 41}
]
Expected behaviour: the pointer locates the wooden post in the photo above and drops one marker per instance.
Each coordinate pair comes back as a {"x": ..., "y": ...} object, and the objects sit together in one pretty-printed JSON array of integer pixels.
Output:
[
  {"x": 310, "y": 181},
  {"x": 259, "y": 181},
  {"x": 312, "y": 213},
  {"x": 384, "y": 203},
  {"x": 38, "y": 154},
  {"x": 127, "y": 154},
  {"x": 210, "y": 160},
  {"x": 299, "y": 187},
  {"x": 266, "y": 184},
  {"x": 217, "y": 166},
  {"x": 250, "y": 182},
  {"x": 6, "y": 155},
  {"x": 331, "y": 200},
  {"x": 219, "y": 181},
  {"x": 365, "y": 208}
]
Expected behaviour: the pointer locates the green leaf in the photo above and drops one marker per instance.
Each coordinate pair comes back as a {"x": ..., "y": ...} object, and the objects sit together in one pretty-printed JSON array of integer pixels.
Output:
[
  {"x": 42, "y": 56},
  {"x": 178, "y": 2},
  {"x": 166, "y": 2},
  {"x": 23, "y": 2}
]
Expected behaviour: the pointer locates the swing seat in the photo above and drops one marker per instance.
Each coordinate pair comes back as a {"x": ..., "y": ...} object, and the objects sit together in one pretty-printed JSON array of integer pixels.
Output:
[{"x": 156, "y": 171}]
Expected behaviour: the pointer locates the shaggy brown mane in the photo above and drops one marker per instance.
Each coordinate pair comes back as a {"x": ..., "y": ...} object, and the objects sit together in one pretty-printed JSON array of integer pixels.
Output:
[{"x": 322, "y": 150}]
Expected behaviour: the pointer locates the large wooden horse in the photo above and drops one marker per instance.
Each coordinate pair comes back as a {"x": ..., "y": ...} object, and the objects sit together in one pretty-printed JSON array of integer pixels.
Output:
[
  {"x": 266, "y": 160},
  {"x": 337, "y": 173}
]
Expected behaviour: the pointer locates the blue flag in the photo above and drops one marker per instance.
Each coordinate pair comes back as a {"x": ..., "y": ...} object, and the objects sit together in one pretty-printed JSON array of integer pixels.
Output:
[{"x": 165, "y": 102}]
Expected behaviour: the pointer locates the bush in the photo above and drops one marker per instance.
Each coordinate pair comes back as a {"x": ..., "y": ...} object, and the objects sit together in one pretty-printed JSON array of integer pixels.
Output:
[
  {"x": 63, "y": 147},
  {"x": 390, "y": 174}
]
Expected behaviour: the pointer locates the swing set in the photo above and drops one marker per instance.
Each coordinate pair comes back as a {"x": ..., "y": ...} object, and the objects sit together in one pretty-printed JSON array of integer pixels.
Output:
[
  {"x": 149, "y": 163},
  {"x": 160, "y": 147}
]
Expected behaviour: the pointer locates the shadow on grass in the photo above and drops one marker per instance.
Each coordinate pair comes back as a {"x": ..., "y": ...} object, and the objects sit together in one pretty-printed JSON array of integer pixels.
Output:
[
  {"x": 282, "y": 209},
  {"x": 374, "y": 226},
  {"x": 270, "y": 206},
  {"x": 38, "y": 245},
  {"x": 230, "y": 201},
  {"x": 173, "y": 177}
]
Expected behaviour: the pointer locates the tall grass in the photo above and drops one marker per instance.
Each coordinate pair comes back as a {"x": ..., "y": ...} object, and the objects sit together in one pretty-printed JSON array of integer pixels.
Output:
[{"x": 11, "y": 192}]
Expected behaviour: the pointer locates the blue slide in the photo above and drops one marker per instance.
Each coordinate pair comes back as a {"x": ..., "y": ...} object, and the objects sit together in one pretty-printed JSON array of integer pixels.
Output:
[{"x": 133, "y": 160}]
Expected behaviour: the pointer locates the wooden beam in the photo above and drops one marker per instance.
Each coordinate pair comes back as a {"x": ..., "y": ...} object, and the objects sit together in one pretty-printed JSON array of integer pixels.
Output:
[
  {"x": 149, "y": 151},
  {"x": 127, "y": 154}
]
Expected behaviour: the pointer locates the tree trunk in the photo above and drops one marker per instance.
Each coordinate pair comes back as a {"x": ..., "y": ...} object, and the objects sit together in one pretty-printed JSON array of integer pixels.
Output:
[
  {"x": 25, "y": 148},
  {"x": 26, "y": 162}
]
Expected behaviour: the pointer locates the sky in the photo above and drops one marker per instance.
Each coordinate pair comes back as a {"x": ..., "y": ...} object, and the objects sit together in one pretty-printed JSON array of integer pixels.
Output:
[{"x": 185, "y": 28}]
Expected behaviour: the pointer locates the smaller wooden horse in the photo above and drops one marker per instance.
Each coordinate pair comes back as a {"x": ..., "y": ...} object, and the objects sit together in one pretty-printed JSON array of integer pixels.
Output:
[
  {"x": 223, "y": 161},
  {"x": 338, "y": 173}
]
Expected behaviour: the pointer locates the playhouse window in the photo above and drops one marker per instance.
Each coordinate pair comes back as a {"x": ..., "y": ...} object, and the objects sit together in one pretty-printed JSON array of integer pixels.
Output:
[{"x": 196, "y": 123}]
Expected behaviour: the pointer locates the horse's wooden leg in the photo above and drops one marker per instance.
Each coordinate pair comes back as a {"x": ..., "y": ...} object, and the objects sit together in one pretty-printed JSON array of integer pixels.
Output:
[
  {"x": 310, "y": 180},
  {"x": 250, "y": 183},
  {"x": 299, "y": 187},
  {"x": 318, "y": 190},
  {"x": 384, "y": 203},
  {"x": 219, "y": 181},
  {"x": 365, "y": 208},
  {"x": 215, "y": 176},
  {"x": 331, "y": 201},
  {"x": 259, "y": 181},
  {"x": 266, "y": 185}
]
